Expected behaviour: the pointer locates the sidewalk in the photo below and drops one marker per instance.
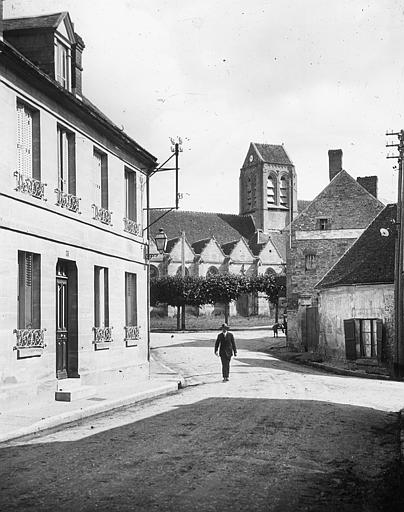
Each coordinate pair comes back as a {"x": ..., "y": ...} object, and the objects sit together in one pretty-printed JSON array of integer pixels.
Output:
[
  {"x": 22, "y": 419},
  {"x": 336, "y": 367}
]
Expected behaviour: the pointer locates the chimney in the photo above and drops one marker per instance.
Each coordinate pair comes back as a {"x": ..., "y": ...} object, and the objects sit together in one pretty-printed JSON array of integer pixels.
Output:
[
  {"x": 369, "y": 183},
  {"x": 1, "y": 20},
  {"x": 334, "y": 162},
  {"x": 77, "y": 53}
]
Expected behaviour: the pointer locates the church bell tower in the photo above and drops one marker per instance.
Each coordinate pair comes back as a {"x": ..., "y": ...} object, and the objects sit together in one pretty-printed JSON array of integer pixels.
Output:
[{"x": 268, "y": 187}]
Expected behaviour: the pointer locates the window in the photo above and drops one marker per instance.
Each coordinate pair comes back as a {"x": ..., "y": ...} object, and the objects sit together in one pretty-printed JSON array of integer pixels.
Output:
[
  {"x": 101, "y": 302},
  {"x": 66, "y": 161},
  {"x": 100, "y": 176},
  {"x": 28, "y": 142},
  {"x": 323, "y": 224},
  {"x": 249, "y": 203},
  {"x": 363, "y": 338},
  {"x": 212, "y": 271},
  {"x": 271, "y": 190},
  {"x": 62, "y": 64},
  {"x": 130, "y": 186},
  {"x": 29, "y": 290},
  {"x": 310, "y": 262},
  {"x": 131, "y": 299},
  {"x": 283, "y": 191},
  {"x": 154, "y": 272}
]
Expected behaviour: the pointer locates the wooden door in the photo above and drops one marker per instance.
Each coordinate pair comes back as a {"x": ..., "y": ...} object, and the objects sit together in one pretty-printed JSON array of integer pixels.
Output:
[{"x": 62, "y": 337}]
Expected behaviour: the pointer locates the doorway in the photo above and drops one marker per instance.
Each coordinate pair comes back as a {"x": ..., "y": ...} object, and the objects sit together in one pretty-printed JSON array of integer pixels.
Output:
[{"x": 66, "y": 320}]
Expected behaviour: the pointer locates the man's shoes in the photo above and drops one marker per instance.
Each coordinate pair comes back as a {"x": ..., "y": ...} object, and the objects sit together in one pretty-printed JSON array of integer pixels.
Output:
[{"x": 226, "y": 379}]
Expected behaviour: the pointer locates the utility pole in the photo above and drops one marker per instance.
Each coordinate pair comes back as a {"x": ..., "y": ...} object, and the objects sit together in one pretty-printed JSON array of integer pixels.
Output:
[
  {"x": 183, "y": 275},
  {"x": 398, "y": 353}
]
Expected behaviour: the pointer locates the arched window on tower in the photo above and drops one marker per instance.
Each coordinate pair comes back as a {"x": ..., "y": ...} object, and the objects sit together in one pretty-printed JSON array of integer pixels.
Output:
[
  {"x": 284, "y": 191},
  {"x": 271, "y": 190},
  {"x": 249, "y": 201}
]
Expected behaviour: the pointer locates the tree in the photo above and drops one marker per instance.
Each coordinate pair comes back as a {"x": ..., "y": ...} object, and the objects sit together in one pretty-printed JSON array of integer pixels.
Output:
[{"x": 273, "y": 286}]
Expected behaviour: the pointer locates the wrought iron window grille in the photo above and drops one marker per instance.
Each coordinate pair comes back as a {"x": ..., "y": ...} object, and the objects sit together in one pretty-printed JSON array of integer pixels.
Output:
[
  {"x": 130, "y": 226},
  {"x": 68, "y": 201},
  {"x": 102, "y": 335},
  {"x": 102, "y": 214},
  {"x": 132, "y": 332},
  {"x": 30, "y": 186},
  {"x": 29, "y": 338}
]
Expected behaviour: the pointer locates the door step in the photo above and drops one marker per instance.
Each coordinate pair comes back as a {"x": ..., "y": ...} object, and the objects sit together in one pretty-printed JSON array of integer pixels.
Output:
[{"x": 71, "y": 389}]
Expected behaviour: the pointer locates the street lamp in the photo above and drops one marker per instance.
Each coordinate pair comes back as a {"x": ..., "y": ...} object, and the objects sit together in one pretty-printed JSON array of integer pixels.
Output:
[{"x": 161, "y": 241}]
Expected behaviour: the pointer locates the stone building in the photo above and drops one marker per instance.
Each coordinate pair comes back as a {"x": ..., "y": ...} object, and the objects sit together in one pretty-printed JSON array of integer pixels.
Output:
[
  {"x": 356, "y": 299},
  {"x": 73, "y": 274},
  {"x": 252, "y": 242},
  {"x": 319, "y": 236}
]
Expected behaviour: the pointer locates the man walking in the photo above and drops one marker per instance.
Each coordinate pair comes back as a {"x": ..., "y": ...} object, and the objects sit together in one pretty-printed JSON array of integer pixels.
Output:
[{"x": 226, "y": 346}]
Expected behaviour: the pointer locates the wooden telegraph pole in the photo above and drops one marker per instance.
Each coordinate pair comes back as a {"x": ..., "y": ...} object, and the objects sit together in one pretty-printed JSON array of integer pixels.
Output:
[{"x": 398, "y": 353}]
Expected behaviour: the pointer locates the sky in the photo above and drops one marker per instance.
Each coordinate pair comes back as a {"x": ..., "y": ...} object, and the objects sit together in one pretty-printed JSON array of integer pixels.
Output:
[{"x": 312, "y": 75}]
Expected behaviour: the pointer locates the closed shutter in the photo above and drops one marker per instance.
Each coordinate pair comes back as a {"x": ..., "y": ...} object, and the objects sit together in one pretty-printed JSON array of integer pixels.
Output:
[
  {"x": 131, "y": 299},
  {"x": 130, "y": 194},
  {"x": 350, "y": 339},
  {"x": 24, "y": 141},
  {"x": 104, "y": 182},
  {"x": 379, "y": 338},
  {"x": 97, "y": 161}
]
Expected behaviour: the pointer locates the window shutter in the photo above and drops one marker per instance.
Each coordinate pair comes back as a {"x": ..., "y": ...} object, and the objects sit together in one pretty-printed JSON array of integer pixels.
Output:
[
  {"x": 104, "y": 182},
  {"x": 24, "y": 141},
  {"x": 379, "y": 338},
  {"x": 350, "y": 339}
]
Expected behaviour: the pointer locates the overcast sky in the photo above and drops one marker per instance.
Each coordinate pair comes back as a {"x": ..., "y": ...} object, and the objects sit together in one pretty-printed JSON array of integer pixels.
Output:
[{"x": 311, "y": 74}]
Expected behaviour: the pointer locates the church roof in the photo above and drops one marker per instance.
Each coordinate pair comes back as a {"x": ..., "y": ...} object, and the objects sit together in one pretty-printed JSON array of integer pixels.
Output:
[
  {"x": 370, "y": 260},
  {"x": 200, "y": 245},
  {"x": 227, "y": 248},
  {"x": 280, "y": 241},
  {"x": 202, "y": 225},
  {"x": 271, "y": 153}
]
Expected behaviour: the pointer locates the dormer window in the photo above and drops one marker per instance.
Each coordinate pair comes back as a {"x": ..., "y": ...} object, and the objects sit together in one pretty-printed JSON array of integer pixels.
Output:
[{"x": 62, "y": 64}]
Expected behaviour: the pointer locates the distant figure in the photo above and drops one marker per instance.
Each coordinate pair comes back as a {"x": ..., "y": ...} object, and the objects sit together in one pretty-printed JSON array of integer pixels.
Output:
[
  {"x": 285, "y": 327},
  {"x": 225, "y": 347},
  {"x": 275, "y": 328}
]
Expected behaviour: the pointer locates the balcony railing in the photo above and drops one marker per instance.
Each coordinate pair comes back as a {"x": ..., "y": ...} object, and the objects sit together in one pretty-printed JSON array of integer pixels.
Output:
[
  {"x": 68, "y": 201},
  {"x": 130, "y": 226},
  {"x": 102, "y": 214},
  {"x": 132, "y": 335},
  {"x": 29, "y": 338},
  {"x": 31, "y": 186},
  {"x": 102, "y": 335}
]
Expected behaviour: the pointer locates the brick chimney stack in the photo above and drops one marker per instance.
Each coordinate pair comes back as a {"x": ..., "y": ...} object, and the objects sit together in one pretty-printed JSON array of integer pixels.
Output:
[
  {"x": 334, "y": 162},
  {"x": 77, "y": 81},
  {"x": 369, "y": 183}
]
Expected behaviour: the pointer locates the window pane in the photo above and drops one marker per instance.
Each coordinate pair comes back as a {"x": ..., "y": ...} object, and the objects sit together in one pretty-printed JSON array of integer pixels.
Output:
[
  {"x": 130, "y": 184},
  {"x": 131, "y": 298}
]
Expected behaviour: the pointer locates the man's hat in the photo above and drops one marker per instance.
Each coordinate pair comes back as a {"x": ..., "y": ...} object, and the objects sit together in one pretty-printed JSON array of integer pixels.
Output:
[{"x": 225, "y": 326}]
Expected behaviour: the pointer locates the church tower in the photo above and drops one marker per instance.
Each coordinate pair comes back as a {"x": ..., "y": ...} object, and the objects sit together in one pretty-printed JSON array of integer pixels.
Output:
[{"x": 268, "y": 187}]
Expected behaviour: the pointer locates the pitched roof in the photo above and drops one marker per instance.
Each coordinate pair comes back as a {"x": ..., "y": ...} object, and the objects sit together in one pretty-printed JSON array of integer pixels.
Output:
[
  {"x": 201, "y": 225},
  {"x": 171, "y": 243},
  {"x": 271, "y": 153},
  {"x": 280, "y": 241},
  {"x": 351, "y": 193},
  {"x": 302, "y": 204},
  {"x": 227, "y": 248},
  {"x": 34, "y": 22},
  {"x": 200, "y": 245},
  {"x": 370, "y": 259}
]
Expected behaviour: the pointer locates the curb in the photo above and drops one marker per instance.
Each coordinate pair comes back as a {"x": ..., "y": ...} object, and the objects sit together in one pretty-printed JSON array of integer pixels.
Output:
[
  {"x": 92, "y": 410},
  {"x": 331, "y": 369}
]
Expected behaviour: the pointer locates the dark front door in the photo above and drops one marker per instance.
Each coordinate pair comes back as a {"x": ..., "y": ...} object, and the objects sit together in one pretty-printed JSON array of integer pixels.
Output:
[{"x": 62, "y": 324}]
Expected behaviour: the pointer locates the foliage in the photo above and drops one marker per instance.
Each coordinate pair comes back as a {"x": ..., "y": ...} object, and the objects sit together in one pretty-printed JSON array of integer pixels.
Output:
[
  {"x": 223, "y": 288},
  {"x": 272, "y": 285}
]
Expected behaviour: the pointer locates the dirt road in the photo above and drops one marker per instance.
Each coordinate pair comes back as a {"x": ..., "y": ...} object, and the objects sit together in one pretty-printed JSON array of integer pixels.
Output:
[{"x": 277, "y": 437}]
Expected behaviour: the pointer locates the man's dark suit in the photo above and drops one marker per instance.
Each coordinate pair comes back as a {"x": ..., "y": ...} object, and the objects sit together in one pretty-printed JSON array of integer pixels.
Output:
[{"x": 227, "y": 348}]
